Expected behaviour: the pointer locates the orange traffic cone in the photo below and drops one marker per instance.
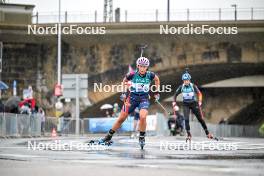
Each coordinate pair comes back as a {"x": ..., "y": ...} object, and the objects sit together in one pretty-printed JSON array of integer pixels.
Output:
[{"x": 53, "y": 133}]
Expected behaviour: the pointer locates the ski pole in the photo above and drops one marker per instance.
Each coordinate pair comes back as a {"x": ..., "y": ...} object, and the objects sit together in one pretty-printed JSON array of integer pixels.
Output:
[
  {"x": 142, "y": 49},
  {"x": 200, "y": 108},
  {"x": 163, "y": 107}
]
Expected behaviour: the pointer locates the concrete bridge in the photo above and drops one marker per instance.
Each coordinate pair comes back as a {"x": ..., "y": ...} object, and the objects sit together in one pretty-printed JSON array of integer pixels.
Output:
[{"x": 106, "y": 58}]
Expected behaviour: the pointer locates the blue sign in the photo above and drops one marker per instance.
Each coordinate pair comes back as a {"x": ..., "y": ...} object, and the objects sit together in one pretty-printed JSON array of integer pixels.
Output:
[{"x": 102, "y": 125}]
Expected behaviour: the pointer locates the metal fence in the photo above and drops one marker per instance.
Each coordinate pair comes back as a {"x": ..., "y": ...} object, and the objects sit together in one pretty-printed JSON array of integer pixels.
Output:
[
  {"x": 19, "y": 125},
  {"x": 63, "y": 125},
  {"x": 216, "y": 129},
  {"x": 225, "y": 130},
  {"x": 154, "y": 15}
]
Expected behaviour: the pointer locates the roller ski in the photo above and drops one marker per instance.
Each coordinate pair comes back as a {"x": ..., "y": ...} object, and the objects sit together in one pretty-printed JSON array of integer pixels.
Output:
[
  {"x": 104, "y": 141},
  {"x": 100, "y": 142},
  {"x": 210, "y": 136},
  {"x": 189, "y": 137},
  {"x": 141, "y": 142}
]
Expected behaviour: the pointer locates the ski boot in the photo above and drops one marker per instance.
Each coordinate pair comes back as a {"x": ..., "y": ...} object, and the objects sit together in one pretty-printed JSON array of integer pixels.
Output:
[
  {"x": 142, "y": 142},
  {"x": 104, "y": 141}
]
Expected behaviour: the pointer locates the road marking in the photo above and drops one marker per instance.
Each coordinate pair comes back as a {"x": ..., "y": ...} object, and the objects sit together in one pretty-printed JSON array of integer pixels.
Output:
[{"x": 19, "y": 155}]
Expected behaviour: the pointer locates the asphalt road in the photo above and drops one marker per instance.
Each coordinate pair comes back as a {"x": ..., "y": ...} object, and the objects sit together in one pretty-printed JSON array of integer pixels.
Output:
[{"x": 161, "y": 156}]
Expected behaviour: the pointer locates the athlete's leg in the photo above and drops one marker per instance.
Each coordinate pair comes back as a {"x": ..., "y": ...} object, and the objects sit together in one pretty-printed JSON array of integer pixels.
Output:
[
  {"x": 186, "y": 114},
  {"x": 198, "y": 113},
  {"x": 142, "y": 126},
  {"x": 142, "y": 121},
  {"x": 143, "y": 112},
  {"x": 126, "y": 109},
  {"x": 121, "y": 118}
]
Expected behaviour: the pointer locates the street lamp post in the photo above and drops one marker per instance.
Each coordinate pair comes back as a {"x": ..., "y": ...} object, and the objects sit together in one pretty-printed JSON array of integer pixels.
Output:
[
  {"x": 235, "y": 13},
  {"x": 168, "y": 10},
  {"x": 59, "y": 45},
  {"x": 1, "y": 55}
]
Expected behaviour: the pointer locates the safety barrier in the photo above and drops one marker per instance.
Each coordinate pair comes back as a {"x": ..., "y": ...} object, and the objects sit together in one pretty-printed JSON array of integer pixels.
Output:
[
  {"x": 19, "y": 125},
  {"x": 220, "y": 130}
]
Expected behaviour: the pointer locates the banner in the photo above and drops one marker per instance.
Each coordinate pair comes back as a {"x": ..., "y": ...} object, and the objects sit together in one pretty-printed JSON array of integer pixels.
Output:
[{"x": 103, "y": 125}]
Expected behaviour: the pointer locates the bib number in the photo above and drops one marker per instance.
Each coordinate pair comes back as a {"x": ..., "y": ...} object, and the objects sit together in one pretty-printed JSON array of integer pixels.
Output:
[{"x": 188, "y": 96}]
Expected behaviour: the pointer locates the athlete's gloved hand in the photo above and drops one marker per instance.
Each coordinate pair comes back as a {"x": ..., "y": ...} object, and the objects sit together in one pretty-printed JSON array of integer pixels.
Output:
[
  {"x": 174, "y": 106},
  {"x": 123, "y": 96},
  {"x": 200, "y": 103},
  {"x": 157, "y": 96}
]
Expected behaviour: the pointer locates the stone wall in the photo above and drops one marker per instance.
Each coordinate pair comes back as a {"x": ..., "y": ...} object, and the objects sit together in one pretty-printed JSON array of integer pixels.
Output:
[{"x": 33, "y": 60}]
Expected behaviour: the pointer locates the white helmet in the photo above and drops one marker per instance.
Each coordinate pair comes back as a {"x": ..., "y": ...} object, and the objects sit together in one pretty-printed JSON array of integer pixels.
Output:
[{"x": 143, "y": 61}]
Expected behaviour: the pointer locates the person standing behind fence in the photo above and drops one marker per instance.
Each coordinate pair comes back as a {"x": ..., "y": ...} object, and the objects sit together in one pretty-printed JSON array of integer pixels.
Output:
[
  {"x": 2, "y": 106},
  {"x": 43, "y": 119},
  {"x": 25, "y": 109}
]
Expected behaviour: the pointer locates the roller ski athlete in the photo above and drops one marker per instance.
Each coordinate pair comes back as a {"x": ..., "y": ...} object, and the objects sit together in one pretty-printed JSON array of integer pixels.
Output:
[
  {"x": 138, "y": 96},
  {"x": 192, "y": 100}
]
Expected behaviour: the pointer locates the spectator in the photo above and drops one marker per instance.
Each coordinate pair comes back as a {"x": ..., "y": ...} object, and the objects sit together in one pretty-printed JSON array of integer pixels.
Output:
[
  {"x": 107, "y": 113},
  {"x": 116, "y": 110},
  {"x": 25, "y": 109},
  {"x": 43, "y": 119},
  {"x": 222, "y": 121},
  {"x": 2, "y": 106},
  {"x": 35, "y": 110},
  {"x": 178, "y": 120}
]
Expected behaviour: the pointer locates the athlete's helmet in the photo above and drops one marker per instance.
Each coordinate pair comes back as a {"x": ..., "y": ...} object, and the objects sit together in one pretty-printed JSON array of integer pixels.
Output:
[
  {"x": 186, "y": 76},
  {"x": 143, "y": 61}
]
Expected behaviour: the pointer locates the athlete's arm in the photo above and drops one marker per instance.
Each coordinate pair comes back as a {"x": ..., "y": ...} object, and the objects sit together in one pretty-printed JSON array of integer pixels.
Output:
[
  {"x": 174, "y": 104},
  {"x": 177, "y": 92},
  {"x": 125, "y": 87},
  {"x": 157, "y": 83},
  {"x": 127, "y": 78},
  {"x": 199, "y": 94},
  {"x": 124, "y": 82},
  {"x": 156, "y": 79}
]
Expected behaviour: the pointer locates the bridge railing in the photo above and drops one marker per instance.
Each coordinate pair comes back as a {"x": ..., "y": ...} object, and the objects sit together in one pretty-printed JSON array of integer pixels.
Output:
[{"x": 153, "y": 15}]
